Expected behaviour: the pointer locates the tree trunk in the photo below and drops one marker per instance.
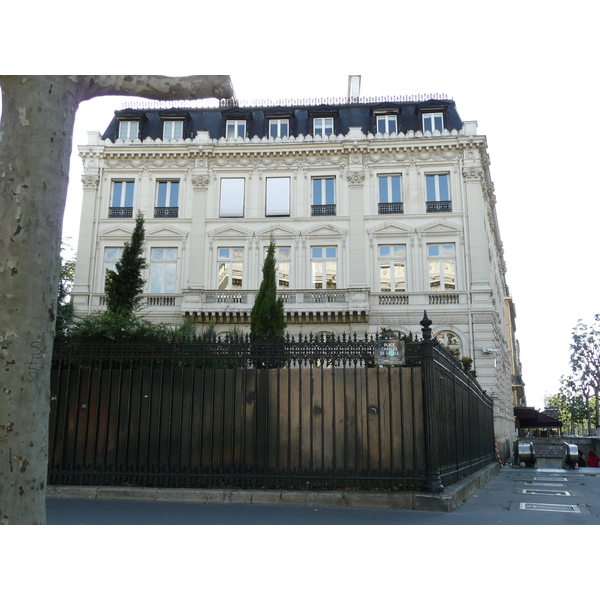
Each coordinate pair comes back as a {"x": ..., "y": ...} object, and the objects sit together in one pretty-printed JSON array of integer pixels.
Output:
[{"x": 38, "y": 114}]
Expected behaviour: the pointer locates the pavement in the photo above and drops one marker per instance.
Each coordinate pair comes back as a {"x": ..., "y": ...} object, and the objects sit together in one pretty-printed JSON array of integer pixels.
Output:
[{"x": 494, "y": 495}]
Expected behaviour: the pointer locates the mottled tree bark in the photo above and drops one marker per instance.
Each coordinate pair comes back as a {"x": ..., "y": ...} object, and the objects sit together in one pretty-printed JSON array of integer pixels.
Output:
[{"x": 38, "y": 114}]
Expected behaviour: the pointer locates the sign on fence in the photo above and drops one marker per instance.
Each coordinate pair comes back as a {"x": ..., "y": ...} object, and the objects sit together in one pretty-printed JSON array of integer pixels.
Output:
[{"x": 389, "y": 350}]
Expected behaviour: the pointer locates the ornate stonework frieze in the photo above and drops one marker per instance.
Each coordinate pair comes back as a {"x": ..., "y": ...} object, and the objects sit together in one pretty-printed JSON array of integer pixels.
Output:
[
  {"x": 90, "y": 181},
  {"x": 356, "y": 177},
  {"x": 200, "y": 181}
]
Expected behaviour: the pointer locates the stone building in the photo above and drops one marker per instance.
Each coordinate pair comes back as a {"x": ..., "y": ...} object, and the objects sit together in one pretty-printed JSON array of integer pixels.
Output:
[{"x": 380, "y": 208}]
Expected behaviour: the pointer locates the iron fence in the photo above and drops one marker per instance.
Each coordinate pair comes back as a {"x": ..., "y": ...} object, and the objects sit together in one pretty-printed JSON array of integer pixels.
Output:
[{"x": 297, "y": 413}]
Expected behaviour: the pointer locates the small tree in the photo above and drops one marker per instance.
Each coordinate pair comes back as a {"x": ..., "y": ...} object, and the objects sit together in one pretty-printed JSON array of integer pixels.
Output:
[
  {"x": 125, "y": 284},
  {"x": 64, "y": 306},
  {"x": 267, "y": 317}
]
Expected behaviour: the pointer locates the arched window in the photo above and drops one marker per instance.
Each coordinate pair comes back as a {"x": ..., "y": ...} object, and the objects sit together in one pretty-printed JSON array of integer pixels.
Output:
[{"x": 450, "y": 340}]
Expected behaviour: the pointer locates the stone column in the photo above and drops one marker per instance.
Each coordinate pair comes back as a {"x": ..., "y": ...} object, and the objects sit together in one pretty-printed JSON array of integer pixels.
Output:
[{"x": 357, "y": 249}]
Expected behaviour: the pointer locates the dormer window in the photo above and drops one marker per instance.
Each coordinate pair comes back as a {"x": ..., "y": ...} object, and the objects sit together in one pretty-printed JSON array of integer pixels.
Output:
[
  {"x": 236, "y": 129},
  {"x": 279, "y": 128},
  {"x": 129, "y": 130},
  {"x": 387, "y": 124},
  {"x": 173, "y": 130},
  {"x": 433, "y": 122},
  {"x": 323, "y": 126}
]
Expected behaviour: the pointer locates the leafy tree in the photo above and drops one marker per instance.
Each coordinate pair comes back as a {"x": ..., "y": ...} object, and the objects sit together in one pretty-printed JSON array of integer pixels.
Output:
[
  {"x": 267, "y": 317},
  {"x": 64, "y": 310},
  {"x": 585, "y": 360},
  {"x": 573, "y": 408},
  {"x": 125, "y": 284}
]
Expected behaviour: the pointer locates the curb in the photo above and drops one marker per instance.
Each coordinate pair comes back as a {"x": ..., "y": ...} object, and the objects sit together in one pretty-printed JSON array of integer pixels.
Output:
[{"x": 446, "y": 501}]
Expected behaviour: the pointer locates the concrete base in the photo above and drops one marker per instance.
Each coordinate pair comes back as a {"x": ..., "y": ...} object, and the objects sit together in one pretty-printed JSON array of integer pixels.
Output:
[{"x": 452, "y": 496}]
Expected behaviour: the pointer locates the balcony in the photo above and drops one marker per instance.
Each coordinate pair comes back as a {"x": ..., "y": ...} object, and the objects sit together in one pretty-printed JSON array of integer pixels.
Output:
[
  {"x": 438, "y": 207},
  {"x": 323, "y": 210},
  {"x": 120, "y": 212},
  {"x": 391, "y": 208},
  {"x": 166, "y": 212}
]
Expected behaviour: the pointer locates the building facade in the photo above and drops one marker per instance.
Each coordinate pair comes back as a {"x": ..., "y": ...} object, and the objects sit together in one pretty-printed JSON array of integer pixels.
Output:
[{"x": 379, "y": 208}]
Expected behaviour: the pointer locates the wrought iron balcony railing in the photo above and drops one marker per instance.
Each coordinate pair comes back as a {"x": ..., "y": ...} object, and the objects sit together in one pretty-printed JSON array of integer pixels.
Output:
[
  {"x": 166, "y": 212},
  {"x": 323, "y": 210},
  {"x": 441, "y": 206},
  {"x": 120, "y": 212},
  {"x": 391, "y": 208}
]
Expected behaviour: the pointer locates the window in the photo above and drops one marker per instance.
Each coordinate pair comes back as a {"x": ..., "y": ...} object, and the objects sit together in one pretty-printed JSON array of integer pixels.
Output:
[
  {"x": 129, "y": 130},
  {"x": 173, "y": 130},
  {"x": 163, "y": 270},
  {"x": 111, "y": 257},
  {"x": 386, "y": 124},
  {"x": 438, "y": 193},
  {"x": 279, "y": 128},
  {"x": 390, "y": 194},
  {"x": 167, "y": 200},
  {"x": 282, "y": 267},
  {"x": 278, "y": 197},
  {"x": 442, "y": 267},
  {"x": 236, "y": 129},
  {"x": 392, "y": 268},
  {"x": 232, "y": 198},
  {"x": 449, "y": 339},
  {"x": 121, "y": 204},
  {"x": 323, "y": 196},
  {"x": 433, "y": 122},
  {"x": 230, "y": 268},
  {"x": 324, "y": 267},
  {"x": 323, "y": 126}
]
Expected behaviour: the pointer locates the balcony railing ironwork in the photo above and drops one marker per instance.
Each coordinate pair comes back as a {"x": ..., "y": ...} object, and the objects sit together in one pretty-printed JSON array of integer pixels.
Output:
[
  {"x": 120, "y": 212},
  {"x": 323, "y": 210},
  {"x": 391, "y": 208},
  {"x": 441, "y": 206},
  {"x": 166, "y": 212}
]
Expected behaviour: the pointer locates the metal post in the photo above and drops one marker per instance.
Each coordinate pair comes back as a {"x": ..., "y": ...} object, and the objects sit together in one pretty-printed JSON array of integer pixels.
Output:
[{"x": 433, "y": 482}]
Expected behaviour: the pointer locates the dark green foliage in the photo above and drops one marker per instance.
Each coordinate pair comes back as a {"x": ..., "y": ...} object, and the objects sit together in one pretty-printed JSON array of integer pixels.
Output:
[
  {"x": 267, "y": 317},
  {"x": 125, "y": 284},
  {"x": 64, "y": 309}
]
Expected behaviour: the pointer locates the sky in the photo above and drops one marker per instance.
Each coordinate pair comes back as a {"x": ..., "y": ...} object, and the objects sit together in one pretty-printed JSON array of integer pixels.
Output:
[{"x": 525, "y": 71}]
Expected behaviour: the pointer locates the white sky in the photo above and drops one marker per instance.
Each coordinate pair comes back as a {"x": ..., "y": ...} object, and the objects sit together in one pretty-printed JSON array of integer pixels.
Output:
[{"x": 525, "y": 71}]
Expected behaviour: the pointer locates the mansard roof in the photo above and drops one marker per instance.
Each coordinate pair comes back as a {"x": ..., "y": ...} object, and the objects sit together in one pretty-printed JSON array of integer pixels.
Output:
[{"x": 346, "y": 114}]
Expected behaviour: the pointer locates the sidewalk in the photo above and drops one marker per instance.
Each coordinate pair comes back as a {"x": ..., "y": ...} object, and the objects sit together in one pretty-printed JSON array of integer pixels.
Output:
[{"x": 453, "y": 495}]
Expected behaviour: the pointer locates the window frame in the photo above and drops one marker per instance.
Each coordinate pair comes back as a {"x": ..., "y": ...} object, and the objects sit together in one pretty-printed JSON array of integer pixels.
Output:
[
  {"x": 323, "y": 262},
  {"x": 124, "y": 208},
  {"x": 278, "y": 123},
  {"x": 239, "y": 213},
  {"x": 230, "y": 262},
  {"x": 272, "y": 211},
  {"x": 323, "y": 126},
  {"x": 172, "y": 122},
  {"x": 279, "y": 260},
  {"x": 170, "y": 208},
  {"x": 236, "y": 124},
  {"x": 441, "y": 259},
  {"x": 154, "y": 263},
  {"x": 387, "y": 118},
  {"x": 393, "y": 262},
  {"x": 327, "y": 194},
  {"x": 128, "y": 124},
  {"x": 432, "y": 116},
  {"x": 387, "y": 203}
]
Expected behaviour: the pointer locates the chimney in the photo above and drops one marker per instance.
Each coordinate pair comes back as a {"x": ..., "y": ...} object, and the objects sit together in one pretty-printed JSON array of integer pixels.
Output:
[{"x": 353, "y": 88}]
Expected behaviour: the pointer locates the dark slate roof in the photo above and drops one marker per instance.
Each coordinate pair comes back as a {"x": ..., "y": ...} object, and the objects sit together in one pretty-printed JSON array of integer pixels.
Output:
[{"x": 213, "y": 120}]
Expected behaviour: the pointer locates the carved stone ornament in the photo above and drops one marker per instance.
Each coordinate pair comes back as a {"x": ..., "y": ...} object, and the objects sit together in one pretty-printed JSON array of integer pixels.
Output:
[
  {"x": 356, "y": 177},
  {"x": 201, "y": 181},
  {"x": 473, "y": 173},
  {"x": 90, "y": 181}
]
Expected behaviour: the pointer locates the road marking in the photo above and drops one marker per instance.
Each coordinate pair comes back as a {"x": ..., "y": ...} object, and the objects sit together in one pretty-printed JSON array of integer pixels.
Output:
[{"x": 566, "y": 508}]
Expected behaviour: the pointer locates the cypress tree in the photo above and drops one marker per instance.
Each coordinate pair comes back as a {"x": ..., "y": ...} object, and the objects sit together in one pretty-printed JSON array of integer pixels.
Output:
[
  {"x": 125, "y": 284},
  {"x": 267, "y": 317}
]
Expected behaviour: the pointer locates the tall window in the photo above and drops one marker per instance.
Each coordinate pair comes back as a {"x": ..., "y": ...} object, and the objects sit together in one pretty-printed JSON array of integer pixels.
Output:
[
  {"x": 111, "y": 257},
  {"x": 121, "y": 203},
  {"x": 232, "y": 197},
  {"x": 163, "y": 270},
  {"x": 129, "y": 130},
  {"x": 324, "y": 267},
  {"x": 392, "y": 268},
  {"x": 167, "y": 199},
  {"x": 278, "y": 197},
  {"x": 442, "y": 267},
  {"x": 433, "y": 122},
  {"x": 235, "y": 129},
  {"x": 230, "y": 268},
  {"x": 438, "y": 193},
  {"x": 283, "y": 262},
  {"x": 449, "y": 339},
  {"x": 173, "y": 130},
  {"x": 279, "y": 128},
  {"x": 323, "y": 196},
  {"x": 323, "y": 126},
  {"x": 386, "y": 124},
  {"x": 390, "y": 194}
]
